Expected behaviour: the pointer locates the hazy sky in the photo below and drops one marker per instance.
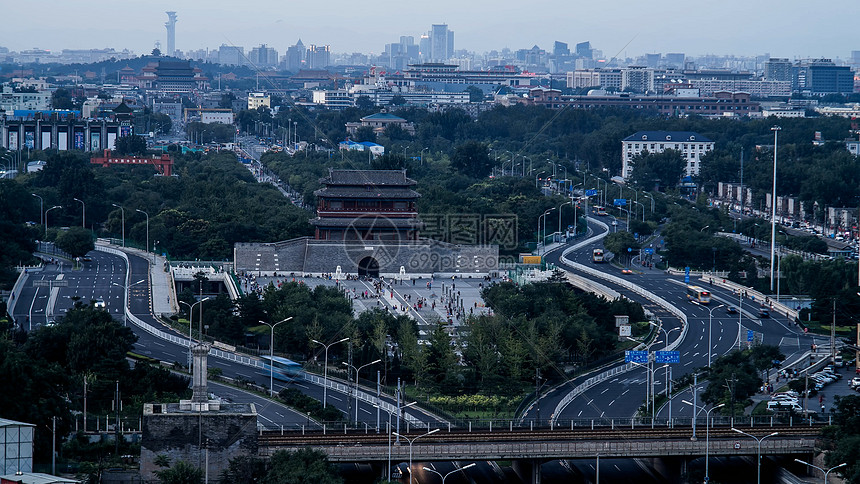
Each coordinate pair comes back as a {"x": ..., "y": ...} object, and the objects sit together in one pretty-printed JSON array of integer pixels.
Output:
[{"x": 782, "y": 28}]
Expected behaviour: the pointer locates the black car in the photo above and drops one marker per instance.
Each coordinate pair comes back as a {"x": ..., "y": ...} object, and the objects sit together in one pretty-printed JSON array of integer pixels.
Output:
[{"x": 731, "y": 310}]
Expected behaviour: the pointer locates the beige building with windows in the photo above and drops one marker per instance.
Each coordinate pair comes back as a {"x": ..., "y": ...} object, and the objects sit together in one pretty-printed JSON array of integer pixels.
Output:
[
  {"x": 692, "y": 147},
  {"x": 257, "y": 99}
]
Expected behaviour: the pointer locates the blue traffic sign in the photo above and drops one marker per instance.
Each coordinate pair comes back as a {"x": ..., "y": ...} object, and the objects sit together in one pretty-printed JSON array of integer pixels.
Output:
[
  {"x": 620, "y": 202},
  {"x": 750, "y": 335},
  {"x": 687, "y": 275},
  {"x": 667, "y": 357},
  {"x": 648, "y": 250},
  {"x": 632, "y": 356},
  {"x": 590, "y": 193},
  {"x": 629, "y": 249}
]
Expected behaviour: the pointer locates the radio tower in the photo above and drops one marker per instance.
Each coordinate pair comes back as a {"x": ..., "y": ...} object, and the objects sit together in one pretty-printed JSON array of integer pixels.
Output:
[{"x": 171, "y": 33}]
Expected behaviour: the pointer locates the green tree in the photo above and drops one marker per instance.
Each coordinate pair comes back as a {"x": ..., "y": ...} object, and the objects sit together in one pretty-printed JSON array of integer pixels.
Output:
[
  {"x": 472, "y": 159},
  {"x": 476, "y": 94},
  {"x": 304, "y": 466},
  {"x": 364, "y": 103},
  {"x": 619, "y": 242},
  {"x": 397, "y": 100},
  {"x": 658, "y": 169},
  {"x": 180, "y": 473},
  {"x": 244, "y": 468},
  {"x": 62, "y": 99},
  {"x": 130, "y": 145},
  {"x": 364, "y": 133},
  {"x": 76, "y": 241}
]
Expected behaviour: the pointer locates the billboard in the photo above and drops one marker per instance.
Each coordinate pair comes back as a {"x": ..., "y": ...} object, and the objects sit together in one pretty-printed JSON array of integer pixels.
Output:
[
  {"x": 95, "y": 141},
  {"x": 79, "y": 140}
]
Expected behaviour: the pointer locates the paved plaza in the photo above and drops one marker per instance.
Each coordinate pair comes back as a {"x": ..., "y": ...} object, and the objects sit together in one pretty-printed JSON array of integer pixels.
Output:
[{"x": 425, "y": 300}]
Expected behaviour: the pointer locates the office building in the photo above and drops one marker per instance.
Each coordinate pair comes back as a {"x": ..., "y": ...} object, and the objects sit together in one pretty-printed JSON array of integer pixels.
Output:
[
  {"x": 231, "y": 55},
  {"x": 692, "y": 147},
  {"x": 318, "y": 57},
  {"x": 822, "y": 76},
  {"x": 583, "y": 49},
  {"x": 263, "y": 57},
  {"x": 778, "y": 70},
  {"x": 441, "y": 43},
  {"x": 637, "y": 79},
  {"x": 258, "y": 99},
  {"x": 294, "y": 58}
]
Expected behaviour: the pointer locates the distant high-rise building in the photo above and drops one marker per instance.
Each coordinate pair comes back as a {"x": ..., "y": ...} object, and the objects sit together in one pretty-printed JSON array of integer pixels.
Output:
[
  {"x": 560, "y": 48},
  {"x": 231, "y": 55},
  {"x": 583, "y": 49},
  {"x": 778, "y": 70},
  {"x": 653, "y": 60},
  {"x": 675, "y": 60},
  {"x": 263, "y": 56},
  {"x": 822, "y": 76},
  {"x": 441, "y": 43},
  {"x": 319, "y": 57},
  {"x": 295, "y": 57},
  {"x": 171, "y": 33},
  {"x": 424, "y": 47},
  {"x": 855, "y": 56}
]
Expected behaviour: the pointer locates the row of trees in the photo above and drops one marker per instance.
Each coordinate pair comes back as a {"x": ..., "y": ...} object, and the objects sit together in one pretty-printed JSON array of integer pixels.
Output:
[{"x": 47, "y": 368}]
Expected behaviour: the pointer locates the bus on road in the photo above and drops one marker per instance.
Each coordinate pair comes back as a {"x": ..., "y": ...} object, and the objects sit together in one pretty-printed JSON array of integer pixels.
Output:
[
  {"x": 597, "y": 256},
  {"x": 281, "y": 368},
  {"x": 698, "y": 295}
]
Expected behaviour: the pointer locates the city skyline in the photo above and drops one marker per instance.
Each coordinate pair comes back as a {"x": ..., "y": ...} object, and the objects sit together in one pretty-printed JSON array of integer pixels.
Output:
[{"x": 734, "y": 28}]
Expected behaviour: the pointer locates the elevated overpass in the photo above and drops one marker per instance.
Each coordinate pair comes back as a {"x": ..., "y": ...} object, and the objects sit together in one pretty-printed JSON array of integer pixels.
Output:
[{"x": 528, "y": 449}]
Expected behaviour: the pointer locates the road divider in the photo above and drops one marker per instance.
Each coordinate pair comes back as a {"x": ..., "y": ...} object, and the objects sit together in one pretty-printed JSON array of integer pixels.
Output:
[{"x": 612, "y": 372}]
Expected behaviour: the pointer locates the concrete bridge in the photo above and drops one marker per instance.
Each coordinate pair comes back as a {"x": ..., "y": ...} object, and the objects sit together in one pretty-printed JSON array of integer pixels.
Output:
[{"x": 528, "y": 449}]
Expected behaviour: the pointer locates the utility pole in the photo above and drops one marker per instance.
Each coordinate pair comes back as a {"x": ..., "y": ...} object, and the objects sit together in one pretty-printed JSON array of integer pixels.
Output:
[
  {"x": 116, "y": 427},
  {"x": 537, "y": 394},
  {"x": 833, "y": 336}
]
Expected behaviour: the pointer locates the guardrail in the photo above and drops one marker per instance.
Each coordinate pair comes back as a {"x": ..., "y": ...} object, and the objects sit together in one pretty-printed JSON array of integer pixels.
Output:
[
  {"x": 17, "y": 287},
  {"x": 178, "y": 340},
  {"x": 349, "y": 390},
  {"x": 590, "y": 382}
]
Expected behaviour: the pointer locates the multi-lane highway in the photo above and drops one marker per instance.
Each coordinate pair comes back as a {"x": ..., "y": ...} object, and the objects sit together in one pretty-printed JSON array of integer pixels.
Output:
[
  {"x": 103, "y": 279},
  {"x": 623, "y": 394}
]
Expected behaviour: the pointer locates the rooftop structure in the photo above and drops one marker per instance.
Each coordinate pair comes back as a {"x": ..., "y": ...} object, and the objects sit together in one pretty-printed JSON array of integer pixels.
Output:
[{"x": 16, "y": 446}]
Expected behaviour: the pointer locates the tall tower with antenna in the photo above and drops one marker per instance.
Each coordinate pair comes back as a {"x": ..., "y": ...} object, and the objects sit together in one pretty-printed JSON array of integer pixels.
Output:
[{"x": 171, "y": 33}]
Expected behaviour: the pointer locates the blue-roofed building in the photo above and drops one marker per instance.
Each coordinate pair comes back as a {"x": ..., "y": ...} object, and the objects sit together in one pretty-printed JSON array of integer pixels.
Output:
[
  {"x": 692, "y": 147},
  {"x": 379, "y": 122},
  {"x": 375, "y": 149}
]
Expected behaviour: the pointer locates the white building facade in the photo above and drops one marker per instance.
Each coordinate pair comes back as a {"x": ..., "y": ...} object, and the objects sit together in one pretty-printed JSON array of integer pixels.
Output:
[{"x": 692, "y": 147}]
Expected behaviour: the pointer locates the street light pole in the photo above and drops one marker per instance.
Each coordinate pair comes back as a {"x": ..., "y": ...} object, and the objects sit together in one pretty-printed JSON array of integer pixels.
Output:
[
  {"x": 46, "y": 218},
  {"x": 125, "y": 299},
  {"x": 123, "y": 222},
  {"x": 461, "y": 469},
  {"x": 710, "y": 320},
  {"x": 191, "y": 324},
  {"x": 272, "y": 354},
  {"x": 707, "y": 431},
  {"x": 411, "y": 441},
  {"x": 41, "y": 209},
  {"x": 758, "y": 441},
  {"x": 83, "y": 212},
  {"x": 775, "y": 130},
  {"x": 356, "y": 382},
  {"x": 325, "y": 367},
  {"x": 390, "y": 412},
  {"x": 559, "y": 212},
  {"x": 826, "y": 472},
  {"x": 147, "y": 228}
]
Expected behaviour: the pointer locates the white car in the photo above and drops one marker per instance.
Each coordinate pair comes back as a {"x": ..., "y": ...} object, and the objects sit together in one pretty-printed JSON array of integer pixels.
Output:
[
  {"x": 99, "y": 303},
  {"x": 855, "y": 382}
]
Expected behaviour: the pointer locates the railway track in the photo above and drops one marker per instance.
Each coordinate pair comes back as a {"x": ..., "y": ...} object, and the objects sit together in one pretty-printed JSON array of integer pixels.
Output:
[{"x": 275, "y": 439}]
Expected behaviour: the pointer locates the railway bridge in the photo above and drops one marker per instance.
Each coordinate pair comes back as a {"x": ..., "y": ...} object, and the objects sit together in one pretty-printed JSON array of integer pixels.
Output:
[{"x": 527, "y": 449}]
